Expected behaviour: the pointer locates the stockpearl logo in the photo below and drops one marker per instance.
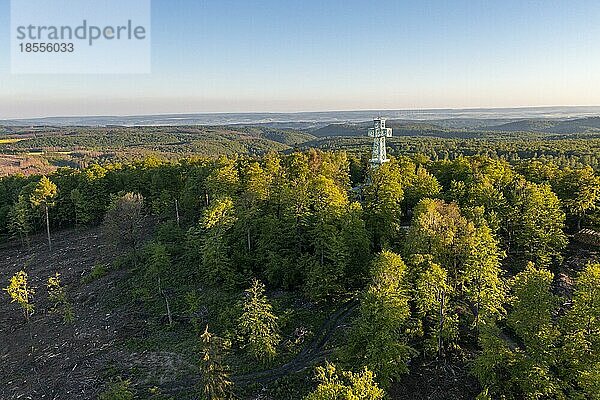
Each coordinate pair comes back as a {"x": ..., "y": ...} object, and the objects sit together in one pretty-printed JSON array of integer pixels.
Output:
[{"x": 86, "y": 36}]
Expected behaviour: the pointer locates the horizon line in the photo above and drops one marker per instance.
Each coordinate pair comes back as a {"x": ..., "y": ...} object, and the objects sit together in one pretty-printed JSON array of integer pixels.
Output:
[{"x": 300, "y": 112}]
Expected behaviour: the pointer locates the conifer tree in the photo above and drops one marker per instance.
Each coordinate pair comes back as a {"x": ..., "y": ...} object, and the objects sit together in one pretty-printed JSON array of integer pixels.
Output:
[
  {"x": 214, "y": 378},
  {"x": 124, "y": 220},
  {"x": 19, "y": 219},
  {"x": 159, "y": 264},
  {"x": 258, "y": 324},
  {"x": 58, "y": 297}
]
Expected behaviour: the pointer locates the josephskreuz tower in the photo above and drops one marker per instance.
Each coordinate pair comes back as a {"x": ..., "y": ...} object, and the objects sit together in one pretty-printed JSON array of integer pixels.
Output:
[{"x": 379, "y": 132}]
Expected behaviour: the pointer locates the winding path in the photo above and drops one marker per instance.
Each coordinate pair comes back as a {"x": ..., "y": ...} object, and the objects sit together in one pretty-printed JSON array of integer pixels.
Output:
[{"x": 310, "y": 354}]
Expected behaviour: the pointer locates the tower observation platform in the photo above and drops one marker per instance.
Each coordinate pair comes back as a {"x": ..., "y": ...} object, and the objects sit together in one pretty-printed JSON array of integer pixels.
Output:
[{"x": 379, "y": 132}]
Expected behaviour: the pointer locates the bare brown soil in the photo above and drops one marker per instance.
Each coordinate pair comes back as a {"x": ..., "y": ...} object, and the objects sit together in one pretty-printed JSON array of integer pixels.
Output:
[{"x": 48, "y": 359}]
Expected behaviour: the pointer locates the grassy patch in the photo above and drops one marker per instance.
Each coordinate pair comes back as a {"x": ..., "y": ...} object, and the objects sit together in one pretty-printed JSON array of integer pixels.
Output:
[{"x": 97, "y": 272}]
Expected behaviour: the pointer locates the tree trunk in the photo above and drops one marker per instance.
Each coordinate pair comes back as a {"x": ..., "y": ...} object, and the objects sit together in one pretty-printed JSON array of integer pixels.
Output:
[
  {"x": 168, "y": 309},
  {"x": 441, "y": 327},
  {"x": 177, "y": 211},
  {"x": 248, "y": 236},
  {"x": 48, "y": 228},
  {"x": 164, "y": 295},
  {"x": 30, "y": 335}
]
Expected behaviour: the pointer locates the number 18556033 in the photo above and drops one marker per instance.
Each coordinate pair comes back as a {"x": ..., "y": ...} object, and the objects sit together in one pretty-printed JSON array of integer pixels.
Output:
[{"x": 46, "y": 47}]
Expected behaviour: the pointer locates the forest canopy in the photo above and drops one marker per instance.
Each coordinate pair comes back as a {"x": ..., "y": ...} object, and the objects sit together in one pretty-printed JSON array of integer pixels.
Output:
[{"x": 445, "y": 262}]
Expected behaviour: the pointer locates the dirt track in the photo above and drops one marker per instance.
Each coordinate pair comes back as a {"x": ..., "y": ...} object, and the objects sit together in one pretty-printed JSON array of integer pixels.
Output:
[
  {"x": 311, "y": 354},
  {"x": 72, "y": 361}
]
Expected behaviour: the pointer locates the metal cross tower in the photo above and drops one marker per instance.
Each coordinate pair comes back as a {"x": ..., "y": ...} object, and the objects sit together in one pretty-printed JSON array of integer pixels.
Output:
[{"x": 379, "y": 132}]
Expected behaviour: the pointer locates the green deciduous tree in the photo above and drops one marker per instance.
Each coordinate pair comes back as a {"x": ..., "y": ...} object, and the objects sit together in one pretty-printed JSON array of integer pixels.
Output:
[
  {"x": 255, "y": 185},
  {"x": 533, "y": 305},
  {"x": 418, "y": 184},
  {"x": 580, "y": 355},
  {"x": 258, "y": 324},
  {"x": 383, "y": 203},
  {"x": 433, "y": 295},
  {"x": 521, "y": 363},
  {"x": 440, "y": 230},
  {"x": 345, "y": 385},
  {"x": 534, "y": 223},
  {"x": 224, "y": 179},
  {"x": 21, "y": 293},
  {"x": 118, "y": 389},
  {"x": 124, "y": 221},
  {"x": 328, "y": 205},
  {"x": 43, "y": 196},
  {"x": 579, "y": 191},
  {"x": 216, "y": 223},
  {"x": 468, "y": 253},
  {"x": 377, "y": 337},
  {"x": 481, "y": 277}
]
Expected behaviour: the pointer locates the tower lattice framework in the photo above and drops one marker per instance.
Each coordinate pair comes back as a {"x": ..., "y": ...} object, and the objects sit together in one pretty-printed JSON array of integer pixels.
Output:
[{"x": 379, "y": 132}]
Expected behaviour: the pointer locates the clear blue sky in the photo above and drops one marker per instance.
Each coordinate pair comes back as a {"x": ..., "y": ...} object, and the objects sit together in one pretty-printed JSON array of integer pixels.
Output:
[{"x": 277, "y": 55}]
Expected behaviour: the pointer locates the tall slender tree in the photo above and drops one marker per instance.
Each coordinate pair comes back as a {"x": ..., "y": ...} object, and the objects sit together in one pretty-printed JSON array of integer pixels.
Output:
[
  {"x": 43, "y": 196},
  {"x": 258, "y": 324},
  {"x": 383, "y": 204},
  {"x": 159, "y": 264},
  {"x": 215, "y": 381},
  {"x": 19, "y": 219},
  {"x": 433, "y": 296},
  {"x": 216, "y": 261}
]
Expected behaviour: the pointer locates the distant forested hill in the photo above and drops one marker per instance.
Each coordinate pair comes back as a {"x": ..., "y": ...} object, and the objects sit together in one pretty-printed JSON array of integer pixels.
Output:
[
  {"x": 33, "y": 150},
  {"x": 526, "y": 128},
  {"x": 525, "y": 125},
  {"x": 571, "y": 126},
  {"x": 28, "y": 149}
]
